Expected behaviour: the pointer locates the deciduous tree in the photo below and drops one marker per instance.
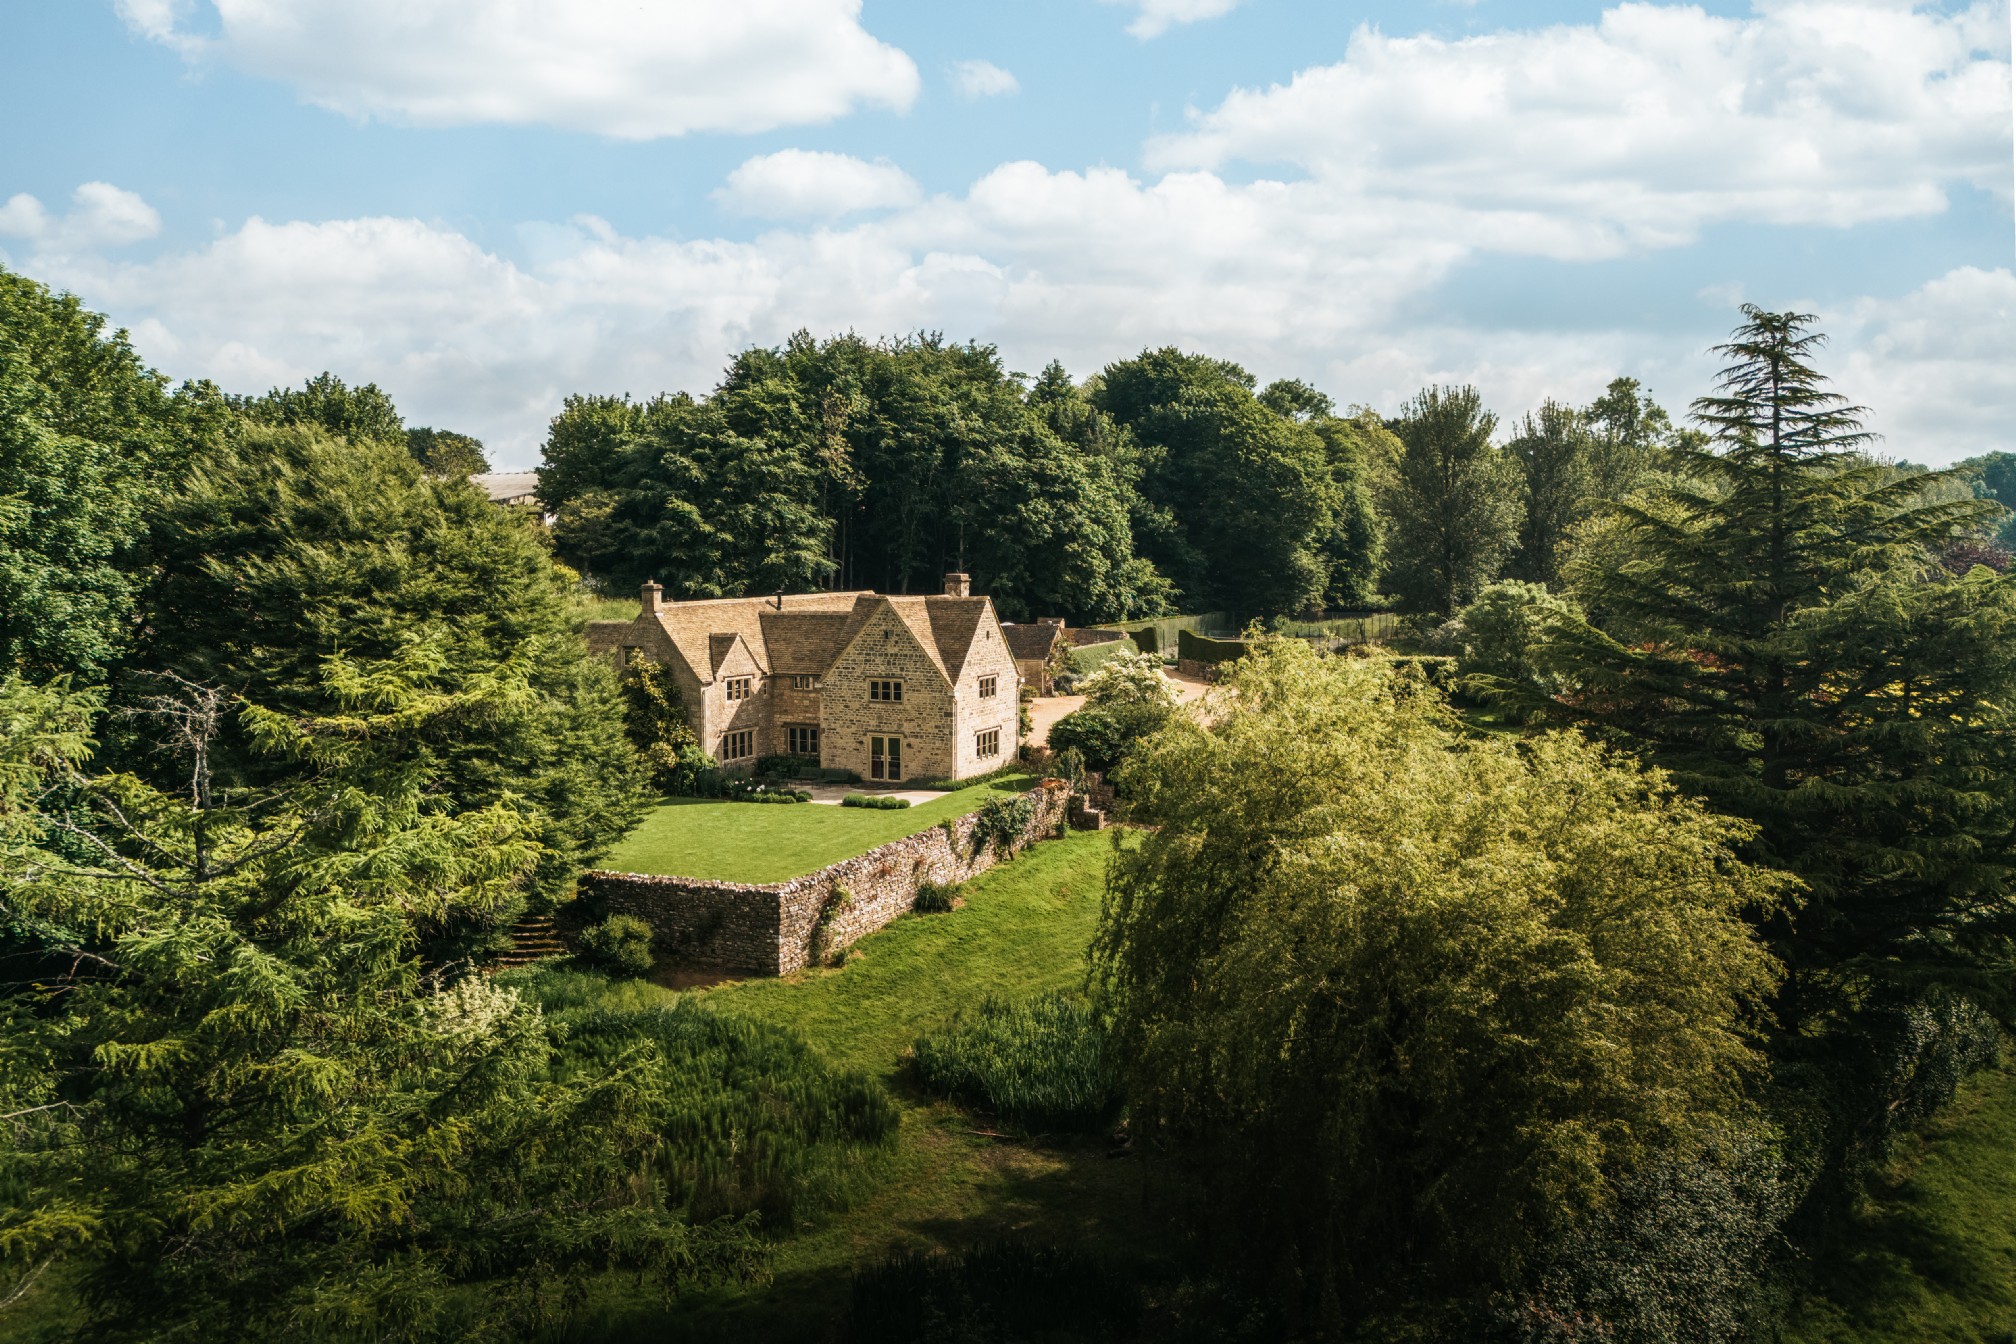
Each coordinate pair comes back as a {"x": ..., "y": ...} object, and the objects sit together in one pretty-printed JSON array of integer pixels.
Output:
[
  {"x": 1414, "y": 1001},
  {"x": 1454, "y": 503}
]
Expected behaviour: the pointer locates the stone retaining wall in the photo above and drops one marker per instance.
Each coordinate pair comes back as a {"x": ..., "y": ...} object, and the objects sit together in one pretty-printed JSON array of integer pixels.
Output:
[{"x": 780, "y": 927}]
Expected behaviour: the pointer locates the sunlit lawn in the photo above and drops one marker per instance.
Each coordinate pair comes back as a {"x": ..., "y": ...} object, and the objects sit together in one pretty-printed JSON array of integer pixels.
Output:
[{"x": 753, "y": 842}]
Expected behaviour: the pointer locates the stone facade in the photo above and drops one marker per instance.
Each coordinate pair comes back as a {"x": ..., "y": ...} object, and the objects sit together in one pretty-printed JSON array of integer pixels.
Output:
[
  {"x": 753, "y": 670},
  {"x": 781, "y": 927}
]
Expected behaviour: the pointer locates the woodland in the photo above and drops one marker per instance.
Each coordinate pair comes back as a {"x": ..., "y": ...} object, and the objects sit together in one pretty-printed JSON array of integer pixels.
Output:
[{"x": 1570, "y": 977}]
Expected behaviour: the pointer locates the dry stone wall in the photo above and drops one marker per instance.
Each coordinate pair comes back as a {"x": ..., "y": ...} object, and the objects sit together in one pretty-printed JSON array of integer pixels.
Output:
[{"x": 777, "y": 928}]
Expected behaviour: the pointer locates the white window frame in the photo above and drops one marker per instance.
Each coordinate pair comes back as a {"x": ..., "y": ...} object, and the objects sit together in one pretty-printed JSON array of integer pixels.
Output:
[
  {"x": 729, "y": 743},
  {"x": 885, "y": 690},
  {"x": 989, "y": 687},
  {"x": 987, "y": 742},
  {"x": 802, "y": 682},
  {"x": 886, "y": 767},
  {"x": 792, "y": 742},
  {"x": 740, "y": 688}
]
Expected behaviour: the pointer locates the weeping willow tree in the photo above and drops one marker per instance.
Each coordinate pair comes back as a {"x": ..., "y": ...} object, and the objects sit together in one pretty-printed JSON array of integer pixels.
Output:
[{"x": 1415, "y": 1004}]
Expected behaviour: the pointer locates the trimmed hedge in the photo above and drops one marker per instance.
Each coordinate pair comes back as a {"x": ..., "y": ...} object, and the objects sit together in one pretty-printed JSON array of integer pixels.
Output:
[
  {"x": 1161, "y": 634},
  {"x": 879, "y": 801},
  {"x": 1191, "y": 647},
  {"x": 1083, "y": 660}
]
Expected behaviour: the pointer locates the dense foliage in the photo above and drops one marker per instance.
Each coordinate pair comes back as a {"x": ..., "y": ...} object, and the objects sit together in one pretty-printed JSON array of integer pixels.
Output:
[
  {"x": 286, "y": 547},
  {"x": 240, "y": 1104},
  {"x": 1491, "y": 978},
  {"x": 87, "y": 435},
  {"x": 1773, "y": 626}
]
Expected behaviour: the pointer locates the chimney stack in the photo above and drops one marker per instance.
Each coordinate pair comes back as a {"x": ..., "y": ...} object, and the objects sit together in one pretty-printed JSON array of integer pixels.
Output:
[
  {"x": 958, "y": 585},
  {"x": 652, "y": 592}
]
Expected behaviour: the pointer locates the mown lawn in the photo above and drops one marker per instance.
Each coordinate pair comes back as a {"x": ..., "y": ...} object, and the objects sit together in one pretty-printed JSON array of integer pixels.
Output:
[
  {"x": 752, "y": 842},
  {"x": 949, "y": 1182},
  {"x": 1932, "y": 1255}
]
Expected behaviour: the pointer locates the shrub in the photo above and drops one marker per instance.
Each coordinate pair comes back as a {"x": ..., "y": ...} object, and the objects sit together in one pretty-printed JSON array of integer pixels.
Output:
[
  {"x": 1001, "y": 821},
  {"x": 999, "y": 1294},
  {"x": 1134, "y": 679},
  {"x": 620, "y": 944},
  {"x": 935, "y": 898},
  {"x": 1042, "y": 1063},
  {"x": 880, "y": 801},
  {"x": 1069, "y": 766},
  {"x": 744, "y": 790},
  {"x": 788, "y": 767},
  {"x": 1104, "y": 735}
]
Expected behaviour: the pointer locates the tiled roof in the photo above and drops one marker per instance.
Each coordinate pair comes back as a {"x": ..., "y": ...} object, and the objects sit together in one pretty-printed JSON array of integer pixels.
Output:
[
  {"x": 1026, "y": 641},
  {"x": 808, "y": 631},
  {"x": 506, "y": 486},
  {"x": 691, "y": 626}
]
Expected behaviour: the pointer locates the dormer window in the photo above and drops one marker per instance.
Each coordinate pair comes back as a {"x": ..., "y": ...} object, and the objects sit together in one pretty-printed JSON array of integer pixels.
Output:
[{"x": 738, "y": 688}]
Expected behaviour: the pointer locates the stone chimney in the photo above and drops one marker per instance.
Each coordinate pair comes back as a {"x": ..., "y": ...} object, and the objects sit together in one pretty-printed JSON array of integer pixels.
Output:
[
  {"x": 652, "y": 594},
  {"x": 958, "y": 585}
]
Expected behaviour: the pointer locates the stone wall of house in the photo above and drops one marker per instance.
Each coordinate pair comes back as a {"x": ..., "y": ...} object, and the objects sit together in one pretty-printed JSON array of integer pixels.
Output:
[
  {"x": 924, "y": 719},
  {"x": 781, "y": 927},
  {"x": 988, "y": 657}
]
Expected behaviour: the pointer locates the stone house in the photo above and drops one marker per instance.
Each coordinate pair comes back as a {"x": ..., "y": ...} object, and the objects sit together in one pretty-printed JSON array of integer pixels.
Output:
[
  {"x": 1034, "y": 645},
  {"x": 892, "y": 688}
]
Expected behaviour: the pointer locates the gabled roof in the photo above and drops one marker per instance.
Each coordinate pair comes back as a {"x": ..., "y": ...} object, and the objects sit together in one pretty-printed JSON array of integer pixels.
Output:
[
  {"x": 1027, "y": 641},
  {"x": 807, "y": 632},
  {"x": 691, "y": 626}
]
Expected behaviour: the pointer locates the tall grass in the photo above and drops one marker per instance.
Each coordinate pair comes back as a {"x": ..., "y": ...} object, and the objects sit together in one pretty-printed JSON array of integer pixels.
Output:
[
  {"x": 1006, "y": 1293},
  {"x": 1041, "y": 1063},
  {"x": 753, "y": 1121}
]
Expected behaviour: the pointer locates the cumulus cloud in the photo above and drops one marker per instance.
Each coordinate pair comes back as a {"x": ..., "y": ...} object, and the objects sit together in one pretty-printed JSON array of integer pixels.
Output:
[
  {"x": 1648, "y": 125},
  {"x": 1867, "y": 111},
  {"x": 807, "y": 184},
  {"x": 1155, "y": 17},
  {"x": 1934, "y": 366},
  {"x": 983, "y": 79},
  {"x": 611, "y": 67},
  {"x": 102, "y": 215}
]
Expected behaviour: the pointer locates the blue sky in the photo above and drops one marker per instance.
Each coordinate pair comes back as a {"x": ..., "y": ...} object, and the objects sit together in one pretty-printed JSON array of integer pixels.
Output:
[{"x": 614, "y": 196}]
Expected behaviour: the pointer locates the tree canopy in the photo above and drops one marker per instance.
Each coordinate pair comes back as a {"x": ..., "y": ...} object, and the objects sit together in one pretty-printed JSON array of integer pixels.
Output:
[
  {"x": 1774, "y": 628},
  {"x": 1414, "y": 999}
]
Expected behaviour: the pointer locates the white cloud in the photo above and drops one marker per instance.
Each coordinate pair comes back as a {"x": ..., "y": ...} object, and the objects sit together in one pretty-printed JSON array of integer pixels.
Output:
[
  {"x": 1936, "y": 366},
  {"x": 613, "y": 67},
  {"x": 1649, "y": 125},
  {"x": 102, "y": 215},
  {"x": 807, "y": 184},
  {"x": 983, "y": 79},
  {"x": 1324, "y": 277},
  {"x": 1156, "y": 17}
]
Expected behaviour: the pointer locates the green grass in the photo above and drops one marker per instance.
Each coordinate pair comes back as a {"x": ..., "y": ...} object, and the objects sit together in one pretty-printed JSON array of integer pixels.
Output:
[
  {"x": 1932, "y": 1254},
  {"x": 948, "y": 1184},
  {"x": 609, "y": 608},
  {"x": 741, "y": 842}
]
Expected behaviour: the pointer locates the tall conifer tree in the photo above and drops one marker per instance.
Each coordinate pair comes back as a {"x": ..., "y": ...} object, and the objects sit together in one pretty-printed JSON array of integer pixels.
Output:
[{"x": 1779, "y": 635}]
